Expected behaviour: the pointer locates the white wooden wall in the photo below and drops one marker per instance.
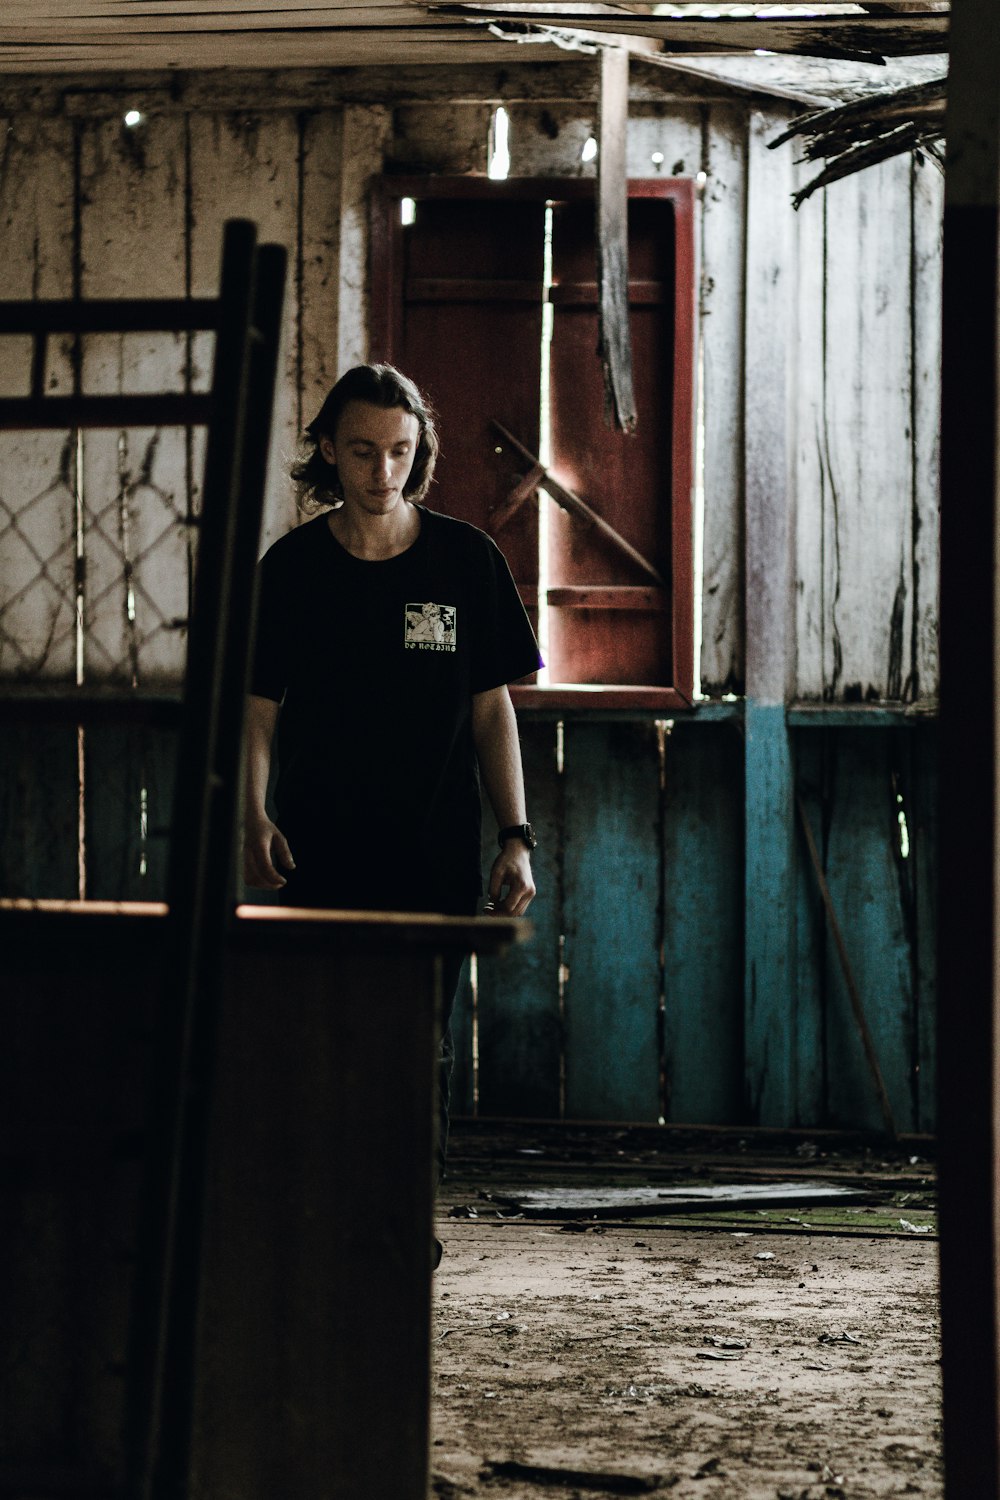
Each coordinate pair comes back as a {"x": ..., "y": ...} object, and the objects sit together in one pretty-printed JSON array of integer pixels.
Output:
[{"x": 87, "y": 205}]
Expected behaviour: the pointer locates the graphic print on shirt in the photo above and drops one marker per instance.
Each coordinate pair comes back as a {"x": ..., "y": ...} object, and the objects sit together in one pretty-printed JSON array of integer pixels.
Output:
[{"x": 430, "y": 627}]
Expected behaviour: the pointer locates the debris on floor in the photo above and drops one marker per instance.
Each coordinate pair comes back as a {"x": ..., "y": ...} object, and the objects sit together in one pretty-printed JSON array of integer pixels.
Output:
[{"x": 570, "y": 1353}]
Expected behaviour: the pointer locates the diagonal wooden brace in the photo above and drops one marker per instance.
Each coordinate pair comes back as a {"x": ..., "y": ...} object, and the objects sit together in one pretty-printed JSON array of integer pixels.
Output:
[{"x": 540, "y": 476}]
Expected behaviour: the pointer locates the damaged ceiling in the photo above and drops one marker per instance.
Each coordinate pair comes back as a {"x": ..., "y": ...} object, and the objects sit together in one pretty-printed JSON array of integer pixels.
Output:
[
  {"x": 46, "y": 36},
  {"x": 870, "y": 75}
]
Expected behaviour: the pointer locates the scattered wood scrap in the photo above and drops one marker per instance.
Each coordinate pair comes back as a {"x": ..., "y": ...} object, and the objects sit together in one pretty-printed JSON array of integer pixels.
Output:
[
  {"x": 603, "y": 1202},
  {"x": 853, "y": 136}
]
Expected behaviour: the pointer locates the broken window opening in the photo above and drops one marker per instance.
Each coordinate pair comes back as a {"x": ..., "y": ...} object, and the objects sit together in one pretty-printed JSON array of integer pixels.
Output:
[
  {"x": 545, "y": 449},
  {"x": 603, "y": 553},
  {"x": 80, "y": 630},
  {"x": 589, "y": 152},
  {"x": 498, "y": 157},
  {"x": 143, "y": 831},
  {"x": 904, "y": 832},
  {"x": 407, "y": 211},
  {"x": 474, "y": 988}
]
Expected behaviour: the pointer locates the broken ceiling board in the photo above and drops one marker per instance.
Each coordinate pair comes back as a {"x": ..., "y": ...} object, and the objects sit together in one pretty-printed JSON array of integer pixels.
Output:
[
  {"x": 75, "y": 50},
  {"x": 844, "y": 36},
  {"x": 610, "y": 1202},
  {"x": 217, "y": 89},
  {"x": 614, "y": 338}
]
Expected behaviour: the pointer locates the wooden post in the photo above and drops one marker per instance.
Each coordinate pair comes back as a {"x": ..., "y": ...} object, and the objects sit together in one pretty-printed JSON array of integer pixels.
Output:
[
  {"x": 366, "y": 130},
  {"x": 614, "y": 335},
  {"x": 770, "y": 1017},
  {"x": 968, "y": 801}
]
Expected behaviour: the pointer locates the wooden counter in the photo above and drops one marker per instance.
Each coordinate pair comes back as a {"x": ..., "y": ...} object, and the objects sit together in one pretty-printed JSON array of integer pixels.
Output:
[{"x": 314, "y": 1360}]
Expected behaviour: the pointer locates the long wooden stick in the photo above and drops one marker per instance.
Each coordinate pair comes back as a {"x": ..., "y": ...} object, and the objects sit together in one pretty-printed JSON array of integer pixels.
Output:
[
  {"x": 571, "y": 502},
  {"x": 852, "y": 989}
]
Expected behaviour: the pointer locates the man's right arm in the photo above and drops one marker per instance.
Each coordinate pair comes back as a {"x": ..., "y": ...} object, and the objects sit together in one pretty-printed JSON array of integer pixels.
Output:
[{"x": 264, "y": 845}]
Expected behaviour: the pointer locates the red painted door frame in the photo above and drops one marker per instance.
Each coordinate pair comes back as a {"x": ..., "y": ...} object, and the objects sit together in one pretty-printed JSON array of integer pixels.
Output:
[{"x": 386, "y": 340}]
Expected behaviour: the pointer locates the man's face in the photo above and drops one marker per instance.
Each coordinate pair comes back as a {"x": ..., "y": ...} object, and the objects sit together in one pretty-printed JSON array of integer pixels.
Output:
[{"x": 373, "y": 449}]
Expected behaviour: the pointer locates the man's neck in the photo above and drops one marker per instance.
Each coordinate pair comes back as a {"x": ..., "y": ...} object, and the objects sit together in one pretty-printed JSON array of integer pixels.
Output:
[{"x": 375, "y": 538}]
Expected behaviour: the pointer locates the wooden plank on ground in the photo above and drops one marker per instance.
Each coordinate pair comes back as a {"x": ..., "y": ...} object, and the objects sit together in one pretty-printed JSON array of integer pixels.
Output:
[
  {"x": 520, "y": 1028},
  {"x": 612, "y": 877},
  {"x": 703, "y": 924},
  {"x": 721, "y": 314}
]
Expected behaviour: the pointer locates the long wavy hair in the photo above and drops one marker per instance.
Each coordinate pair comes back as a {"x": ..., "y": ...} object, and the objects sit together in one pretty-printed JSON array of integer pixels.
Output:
[{"x": 317, "y": 482}]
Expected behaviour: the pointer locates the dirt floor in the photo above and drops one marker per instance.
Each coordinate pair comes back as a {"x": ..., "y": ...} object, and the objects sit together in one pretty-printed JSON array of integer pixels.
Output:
[{"x": 744, "y": 1353}]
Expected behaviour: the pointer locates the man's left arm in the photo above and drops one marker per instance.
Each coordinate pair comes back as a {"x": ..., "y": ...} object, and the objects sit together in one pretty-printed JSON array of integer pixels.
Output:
[{"x": 494, "y": 730}]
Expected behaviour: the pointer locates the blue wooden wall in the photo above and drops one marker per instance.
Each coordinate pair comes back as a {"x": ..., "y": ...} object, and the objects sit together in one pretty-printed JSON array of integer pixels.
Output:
[
  {"x": 631, "y": 1000},
  {"x": 631, "y": 1003}
]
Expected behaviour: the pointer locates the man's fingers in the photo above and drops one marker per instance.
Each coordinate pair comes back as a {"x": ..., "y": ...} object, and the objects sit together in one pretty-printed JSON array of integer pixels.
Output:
[
  {"x": 280, "y": 850},
  {"x": 259, "y": 870}
]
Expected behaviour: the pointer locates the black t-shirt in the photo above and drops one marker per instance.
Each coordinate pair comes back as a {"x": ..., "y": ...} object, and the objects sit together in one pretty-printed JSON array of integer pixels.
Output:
[{"x": 376, "y": 664}]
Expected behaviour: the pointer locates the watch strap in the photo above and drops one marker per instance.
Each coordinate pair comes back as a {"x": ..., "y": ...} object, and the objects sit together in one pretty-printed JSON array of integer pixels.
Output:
[{"x": 522, "y": 831}]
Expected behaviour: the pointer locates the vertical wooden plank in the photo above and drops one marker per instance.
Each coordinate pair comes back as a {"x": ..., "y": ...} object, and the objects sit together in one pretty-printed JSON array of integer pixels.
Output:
[
  {"x": 132, "y": 244},
  {"x": 451, "y": 137},
  {"x": 672, "y": 134},
  {"x": 38, "y": 810},
  {"x": 703, "y": 924},
  {"x": 870, "y": 893},
  {"x": 366, "y": 133},
  {"x": 969, "y": 798},
  {"x": 811, "y": 474},
  {"x": 928, "y": 196},
  {"x": 614, "y": 342},
  {"x": 463, "y": 1078},
  {"x": 322, "y": 154},
  {"x": 130, "y": 783},
  {"x": 37, "y": 611},
  {"x": 868, "y": 416},
  {"x": 922, "y": 814},
  {"x": 811, "y": 935},
  {"x": 520, "y": 1030},
  {"x": 721, "y": 314},
  {"x": 548, "y": 139},
  {"x": 770, "y": 1002},
  {"x": 247, "y": 166},
  {"x": 612, "y": 876}
]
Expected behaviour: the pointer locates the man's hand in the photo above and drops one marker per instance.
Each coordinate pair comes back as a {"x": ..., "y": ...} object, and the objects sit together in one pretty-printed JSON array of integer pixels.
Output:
[
  {"x": 512, "y": 868},
  {"x": 264, "y": 848}
]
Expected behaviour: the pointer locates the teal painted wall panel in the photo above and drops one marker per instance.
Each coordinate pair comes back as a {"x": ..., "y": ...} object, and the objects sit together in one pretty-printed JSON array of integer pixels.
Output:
[
  {"x": 921, "y": 806},
  {"x": 612, "y": 884},
  {"x": 866, "y": 886},
  {"x": 39, "y": 801},
  {"x": 703, "y": 924},
  {"x": 130, "y": 786},
  {"x": 812, "y": 938},
  {"x": 520, "y": 1028},
  {"x": 771, "y": 976}
]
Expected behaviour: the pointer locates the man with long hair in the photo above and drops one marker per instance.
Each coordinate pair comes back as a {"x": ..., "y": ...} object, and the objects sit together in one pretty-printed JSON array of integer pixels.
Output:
[{"x": 387, "y": 635}]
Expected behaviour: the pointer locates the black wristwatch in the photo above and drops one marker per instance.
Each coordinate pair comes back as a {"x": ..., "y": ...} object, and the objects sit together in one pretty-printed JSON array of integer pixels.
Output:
[{"x": 523, "y": 831}]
